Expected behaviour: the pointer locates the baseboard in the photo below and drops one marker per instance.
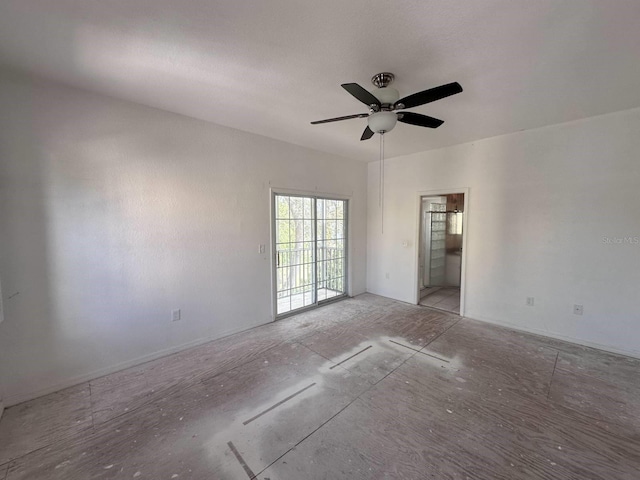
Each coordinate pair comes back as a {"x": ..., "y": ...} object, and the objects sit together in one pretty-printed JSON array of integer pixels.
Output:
[
  {"x": 557, "y": 336},
  {"x": 11, "y": 400},
  {"x": 21, "y": 397}
]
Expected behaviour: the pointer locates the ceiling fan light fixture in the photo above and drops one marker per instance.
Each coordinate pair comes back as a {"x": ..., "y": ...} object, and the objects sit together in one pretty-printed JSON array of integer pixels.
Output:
[
  {"x": 383, "y": 104},
  {"x": 380, "y": 122}
]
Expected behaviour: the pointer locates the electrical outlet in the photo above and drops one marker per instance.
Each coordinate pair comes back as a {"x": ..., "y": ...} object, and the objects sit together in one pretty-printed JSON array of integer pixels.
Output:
[
  {"x": 529, "y": 301},
  {"x": 175, "y": 315},
  {"x": 577, "y": 309},
  {"x": 261, "y": 248}
]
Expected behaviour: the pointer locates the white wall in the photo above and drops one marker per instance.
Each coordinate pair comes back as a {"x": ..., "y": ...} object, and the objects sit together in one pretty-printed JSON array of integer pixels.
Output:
[
  {"x": 114, "y": 213},
  {"x": 541, "y": 204},
  {"x": 1, "y": 320}
]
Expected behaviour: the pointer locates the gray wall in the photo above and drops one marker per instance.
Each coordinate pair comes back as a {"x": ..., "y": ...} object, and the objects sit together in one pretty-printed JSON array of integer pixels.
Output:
[
  {"x": 553, "y": 214},
  {"x": 114, "y": 213}
]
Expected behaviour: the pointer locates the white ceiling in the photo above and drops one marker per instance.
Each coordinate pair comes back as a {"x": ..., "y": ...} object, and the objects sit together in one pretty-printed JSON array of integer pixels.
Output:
[{"x": 272, "y": 66}]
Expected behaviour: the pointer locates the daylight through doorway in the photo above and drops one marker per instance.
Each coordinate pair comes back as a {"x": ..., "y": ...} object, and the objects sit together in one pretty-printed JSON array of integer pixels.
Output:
[
  {"x": 440, "y": 251},
  {"x": 310, "y": 249}
]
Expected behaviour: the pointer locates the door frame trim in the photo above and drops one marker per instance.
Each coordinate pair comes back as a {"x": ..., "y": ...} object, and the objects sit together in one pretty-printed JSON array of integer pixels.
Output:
[
  {"x": 273, "y": 191},
  {"x": 465, "y": 235}
]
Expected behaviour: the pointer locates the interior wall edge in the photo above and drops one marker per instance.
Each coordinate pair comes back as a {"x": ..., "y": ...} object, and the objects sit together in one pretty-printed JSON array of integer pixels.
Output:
[
  {"x": 556, "y": 336},
  {"x": 26, "y": 395},
  {"x": 551, "y": 216},
  {"x": 117, "y": 214},
  {"x": 536, "y": 331}
]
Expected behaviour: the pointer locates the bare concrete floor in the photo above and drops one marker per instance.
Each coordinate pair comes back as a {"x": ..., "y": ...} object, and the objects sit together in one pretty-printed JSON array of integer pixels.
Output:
[
  {"x": 442, "y": 298},
  {"x": 366, "y": 388}
]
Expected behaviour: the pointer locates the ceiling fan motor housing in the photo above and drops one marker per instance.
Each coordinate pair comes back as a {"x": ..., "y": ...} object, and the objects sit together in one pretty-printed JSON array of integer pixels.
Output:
[
  {"x": 388, "y": 96},
  {"x": 384, "y": 120}
]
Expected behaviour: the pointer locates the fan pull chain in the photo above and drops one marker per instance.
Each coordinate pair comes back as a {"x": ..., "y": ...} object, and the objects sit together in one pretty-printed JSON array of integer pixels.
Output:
[
  {"x": 380, "y": 175},
  {"x": 381, "y": 182}
]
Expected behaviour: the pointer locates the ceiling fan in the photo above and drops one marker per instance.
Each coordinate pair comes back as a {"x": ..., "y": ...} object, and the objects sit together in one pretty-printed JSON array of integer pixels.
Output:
[{"x": 384, "y": 101}]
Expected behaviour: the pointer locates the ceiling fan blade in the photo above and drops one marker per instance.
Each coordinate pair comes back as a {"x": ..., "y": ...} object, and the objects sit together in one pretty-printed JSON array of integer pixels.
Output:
[
  {"x": 367, "y": 134},
  {"x": 361, "y": 94},
  {"x": 419, "y": 120},
  {"x": 337, "y": 119},
  {"x": 431, "y": 95}
]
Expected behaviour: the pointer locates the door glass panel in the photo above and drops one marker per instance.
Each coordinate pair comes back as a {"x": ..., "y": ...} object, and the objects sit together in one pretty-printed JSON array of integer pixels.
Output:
[
  {"x": 331, "y": 252},
  {"x": 310, "y": 251},
  {"x": 295, "y": 253}
]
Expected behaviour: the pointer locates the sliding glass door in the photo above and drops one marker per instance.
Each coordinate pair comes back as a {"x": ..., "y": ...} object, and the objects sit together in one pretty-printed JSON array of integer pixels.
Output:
[
  {"x": 330, "y": 248},
  {"x": 310, "y": 251}
]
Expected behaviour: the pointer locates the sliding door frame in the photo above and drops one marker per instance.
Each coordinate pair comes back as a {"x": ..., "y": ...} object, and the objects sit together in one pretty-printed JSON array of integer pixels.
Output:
[{"x": 274, "y": 251}]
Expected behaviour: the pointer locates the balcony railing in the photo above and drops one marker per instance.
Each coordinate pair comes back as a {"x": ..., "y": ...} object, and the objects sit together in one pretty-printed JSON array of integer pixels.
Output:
[{"x": 295, "y": 272}]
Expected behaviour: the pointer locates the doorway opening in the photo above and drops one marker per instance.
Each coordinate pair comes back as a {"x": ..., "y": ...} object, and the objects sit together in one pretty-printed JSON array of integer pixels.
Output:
[
  {"x": 440, "y": 251},
  {"x": 310, "y": 251}
]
